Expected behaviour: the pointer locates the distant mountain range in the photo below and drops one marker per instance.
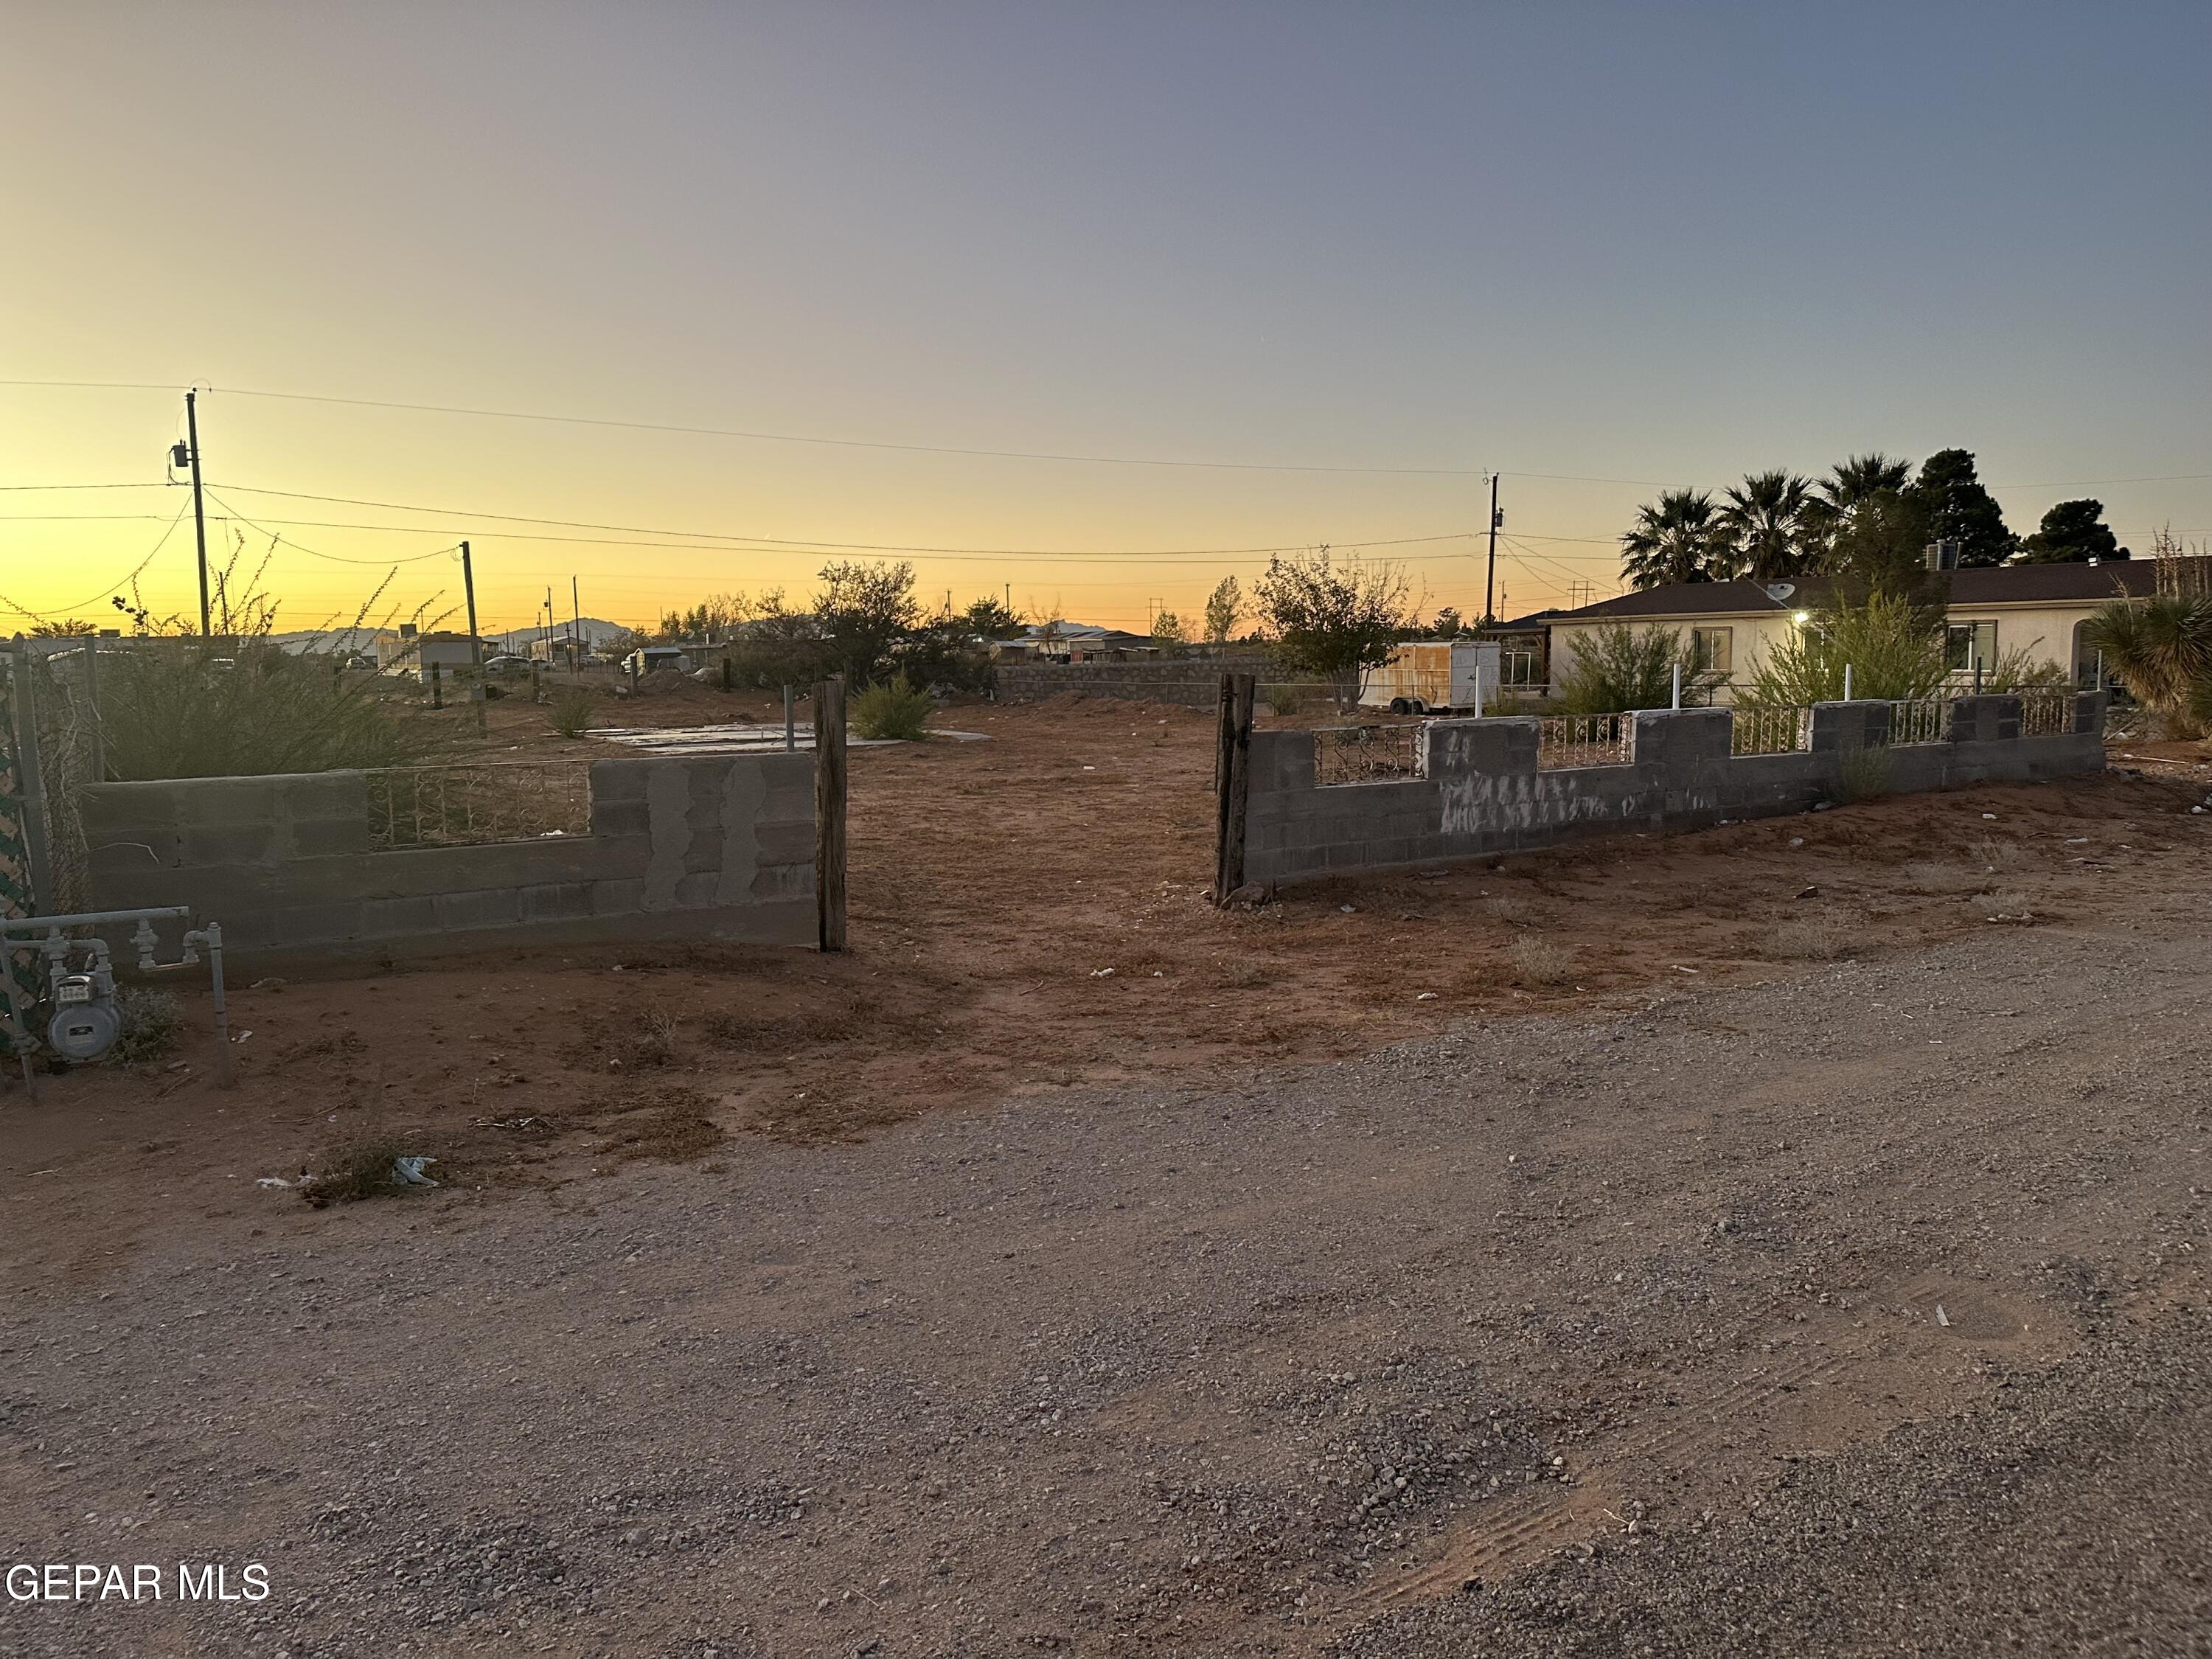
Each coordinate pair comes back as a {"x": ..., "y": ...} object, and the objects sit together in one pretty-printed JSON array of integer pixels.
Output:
[{"x": 597, "y": 631}]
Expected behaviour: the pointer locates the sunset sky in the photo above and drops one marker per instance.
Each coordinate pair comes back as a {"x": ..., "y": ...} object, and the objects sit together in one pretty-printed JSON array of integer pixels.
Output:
[{"x": 1624, "y": 245}]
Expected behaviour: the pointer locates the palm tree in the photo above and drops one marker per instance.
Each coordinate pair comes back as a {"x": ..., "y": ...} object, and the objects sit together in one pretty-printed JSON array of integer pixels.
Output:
[
  {"x": 1678, "y": 539},
  {"x": 1766, "y": 519},
  {"x": 1852, "y": 485},
  {"x": 2161, "y": 650}
]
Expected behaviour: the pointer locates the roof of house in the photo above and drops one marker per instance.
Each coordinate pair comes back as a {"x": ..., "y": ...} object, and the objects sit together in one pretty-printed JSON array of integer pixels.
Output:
[{"x": 2011, "y": 584}]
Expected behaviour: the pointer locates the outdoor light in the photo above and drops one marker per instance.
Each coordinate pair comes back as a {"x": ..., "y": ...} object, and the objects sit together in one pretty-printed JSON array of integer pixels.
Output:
[{"x": 1800, "y": 618}]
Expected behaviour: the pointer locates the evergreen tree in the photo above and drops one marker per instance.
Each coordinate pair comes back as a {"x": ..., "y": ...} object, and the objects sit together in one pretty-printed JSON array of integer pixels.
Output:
[
  {"x": 2070, "y": 533},
  {"x": 1959, "y": 508}
]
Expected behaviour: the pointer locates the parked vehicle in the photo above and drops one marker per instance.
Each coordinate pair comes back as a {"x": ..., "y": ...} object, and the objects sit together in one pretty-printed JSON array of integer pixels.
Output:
[{"x": 507, "y": 665}]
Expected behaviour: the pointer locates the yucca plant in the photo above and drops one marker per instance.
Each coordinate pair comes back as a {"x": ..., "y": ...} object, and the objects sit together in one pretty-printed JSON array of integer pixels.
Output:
[{"x": 2161, "y": 648}]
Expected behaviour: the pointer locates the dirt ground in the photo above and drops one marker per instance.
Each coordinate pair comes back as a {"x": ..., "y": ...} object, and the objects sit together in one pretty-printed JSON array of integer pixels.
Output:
[{"x": 1074, "y": 1266}]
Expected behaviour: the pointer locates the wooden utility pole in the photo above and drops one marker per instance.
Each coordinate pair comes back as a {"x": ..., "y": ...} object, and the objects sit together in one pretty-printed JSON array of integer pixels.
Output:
[
  {"x": 1490, "y": 582},
  {"x": 1232, "y": 781},
  {"x": 576, "y": 627},
  {"x": 199, "y": 509},
  {"x": 829, "y": 811},
  {"x": 476, "y": 643}
]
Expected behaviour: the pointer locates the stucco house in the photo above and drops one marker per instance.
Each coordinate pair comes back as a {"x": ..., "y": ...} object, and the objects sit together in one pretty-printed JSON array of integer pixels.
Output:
[{"x": 1728, "y": 626}]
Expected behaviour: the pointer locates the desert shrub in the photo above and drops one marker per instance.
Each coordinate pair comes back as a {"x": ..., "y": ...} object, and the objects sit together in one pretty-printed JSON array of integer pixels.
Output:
[
  {"x": 1893, "y": 648},
  {"x": 357, "y": 1169},
  {"x": 1617, "y": 666},
  {"x": 1866, "y": 775},
  {"x": 1513, "y": 909},
  {"x": 1535, "y": 960},
  {"x": 192, "y": 708},
  {"x": 151, "y": 1022},
  {"x": 570, "y": 710},
  {"x": 2017, "y": 670},
  {"x": 1283, "y": 699},
  {"x": 892, "y": 710},
  {"x": 1994, "y": 855}
]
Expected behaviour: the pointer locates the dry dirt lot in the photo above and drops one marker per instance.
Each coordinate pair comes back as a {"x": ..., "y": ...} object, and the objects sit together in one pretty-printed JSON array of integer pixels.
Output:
[{"x": 1623, "y": 1250}]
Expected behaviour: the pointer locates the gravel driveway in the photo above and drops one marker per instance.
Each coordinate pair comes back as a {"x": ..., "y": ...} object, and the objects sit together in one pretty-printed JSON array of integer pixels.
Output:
[{"x": 1857, "y": 1311}]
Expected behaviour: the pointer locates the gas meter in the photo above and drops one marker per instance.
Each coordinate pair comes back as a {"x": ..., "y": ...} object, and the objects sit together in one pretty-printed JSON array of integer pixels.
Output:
[{"x": 86, "y": 1021}]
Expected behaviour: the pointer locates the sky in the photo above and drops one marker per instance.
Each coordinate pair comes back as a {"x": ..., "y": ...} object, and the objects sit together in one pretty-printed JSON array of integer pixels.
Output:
[{"x": 1333, "y": 262}]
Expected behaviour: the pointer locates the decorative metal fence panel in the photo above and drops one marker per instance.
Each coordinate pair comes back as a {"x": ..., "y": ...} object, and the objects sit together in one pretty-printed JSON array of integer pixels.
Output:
[
  {"x": 1563, "y": 740},
  {"x": 1770, "y": 730},
  {"x": 2046, "y": 713},
  {"x": 465, "y": 805},
  {"x": 1917, "y": 719},
  {"x": 1366, "y": 754}
]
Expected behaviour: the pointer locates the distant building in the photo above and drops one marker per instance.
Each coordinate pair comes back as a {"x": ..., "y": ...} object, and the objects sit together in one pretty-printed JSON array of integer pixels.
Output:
[
  {"x": 402, "y": 650},
  {"x": 2035, "y": 610}
]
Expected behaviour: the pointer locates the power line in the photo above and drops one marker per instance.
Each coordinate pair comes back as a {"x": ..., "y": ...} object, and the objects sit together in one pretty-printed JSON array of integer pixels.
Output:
[
  {"x": 164, "y": 483},
  {"x": 868, "y": 547},
  {"x": 335, "y": 558},
  {"x": 773, "y": 437},
  {"x": 113, "y": 588}
]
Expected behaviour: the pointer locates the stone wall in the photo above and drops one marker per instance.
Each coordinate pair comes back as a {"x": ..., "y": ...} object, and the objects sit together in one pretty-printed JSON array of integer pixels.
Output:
[
  {"x": 722, "y": 846},
  {"x": 1192, "y": 684},
  {"x": 1479, "y": 789}
]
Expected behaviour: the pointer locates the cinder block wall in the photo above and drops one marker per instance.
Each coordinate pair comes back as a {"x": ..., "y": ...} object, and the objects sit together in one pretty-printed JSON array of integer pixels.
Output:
[
  {"x": 1191, "y": 684},
  {"x": 720, "y": 845},
  {"x": 1480, "y": 790}
]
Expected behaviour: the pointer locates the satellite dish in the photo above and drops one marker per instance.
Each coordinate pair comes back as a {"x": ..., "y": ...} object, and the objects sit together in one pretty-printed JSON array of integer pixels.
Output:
[{"x": 1780, "y": 592}]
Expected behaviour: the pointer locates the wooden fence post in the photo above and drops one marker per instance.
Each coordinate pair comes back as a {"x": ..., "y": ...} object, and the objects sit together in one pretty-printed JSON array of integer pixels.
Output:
[
  {"x": 829, "y": 812},
  {"x": 1232, "y": 764}
]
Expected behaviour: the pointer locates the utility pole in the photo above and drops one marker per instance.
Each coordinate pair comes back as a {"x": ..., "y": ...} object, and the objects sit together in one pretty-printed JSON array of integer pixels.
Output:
[
  {"x": 199, "y": 510},
  {"x": 575, "y": 626},
  {"x": 1490, "y": 582},
  {"x": 476, "y": 640}
]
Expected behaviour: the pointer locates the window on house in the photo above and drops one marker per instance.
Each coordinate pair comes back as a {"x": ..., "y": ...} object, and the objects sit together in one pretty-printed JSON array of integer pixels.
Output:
[
  {"x": 1518, "y": 664},
  {"x": 1970, "y": 645},
  {"x": 1713, "y": 650}
]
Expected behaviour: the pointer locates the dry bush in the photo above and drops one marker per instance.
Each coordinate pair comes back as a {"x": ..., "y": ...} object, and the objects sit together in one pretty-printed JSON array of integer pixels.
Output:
[
  {"x": 2005, "y": 903},
  {"x": 1820, "y": 935},
  {"x": 655, "y": 1042},
  {"x": 1991, "y": 853},
  {"x": 353, "y": 1171},
  {"x": 1535, "y": 960},
  {"x": 1515, "y": 909},
  {"x": 1243, "y": 976}
]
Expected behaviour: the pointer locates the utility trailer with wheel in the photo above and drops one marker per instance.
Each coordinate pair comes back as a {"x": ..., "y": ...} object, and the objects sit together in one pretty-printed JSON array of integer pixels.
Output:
[{"x": 1435, "y": 677}]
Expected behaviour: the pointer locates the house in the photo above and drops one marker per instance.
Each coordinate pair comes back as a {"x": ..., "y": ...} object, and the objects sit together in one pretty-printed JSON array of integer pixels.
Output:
[
  {"x": 404, "y": 650},
  {"x": 1727, "y": 627}
]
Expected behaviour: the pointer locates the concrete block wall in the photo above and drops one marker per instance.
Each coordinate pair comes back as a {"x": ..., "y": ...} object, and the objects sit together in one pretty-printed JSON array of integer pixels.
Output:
[
  {"x": 1191, "y": 684},
  {"x": 720, "y": 845},
  {"x": 1479, "y": 789}
]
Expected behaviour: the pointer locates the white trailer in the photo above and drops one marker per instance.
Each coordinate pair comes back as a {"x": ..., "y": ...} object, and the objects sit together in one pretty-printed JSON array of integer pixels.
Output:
[{"x": 1435, "y": 677}]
